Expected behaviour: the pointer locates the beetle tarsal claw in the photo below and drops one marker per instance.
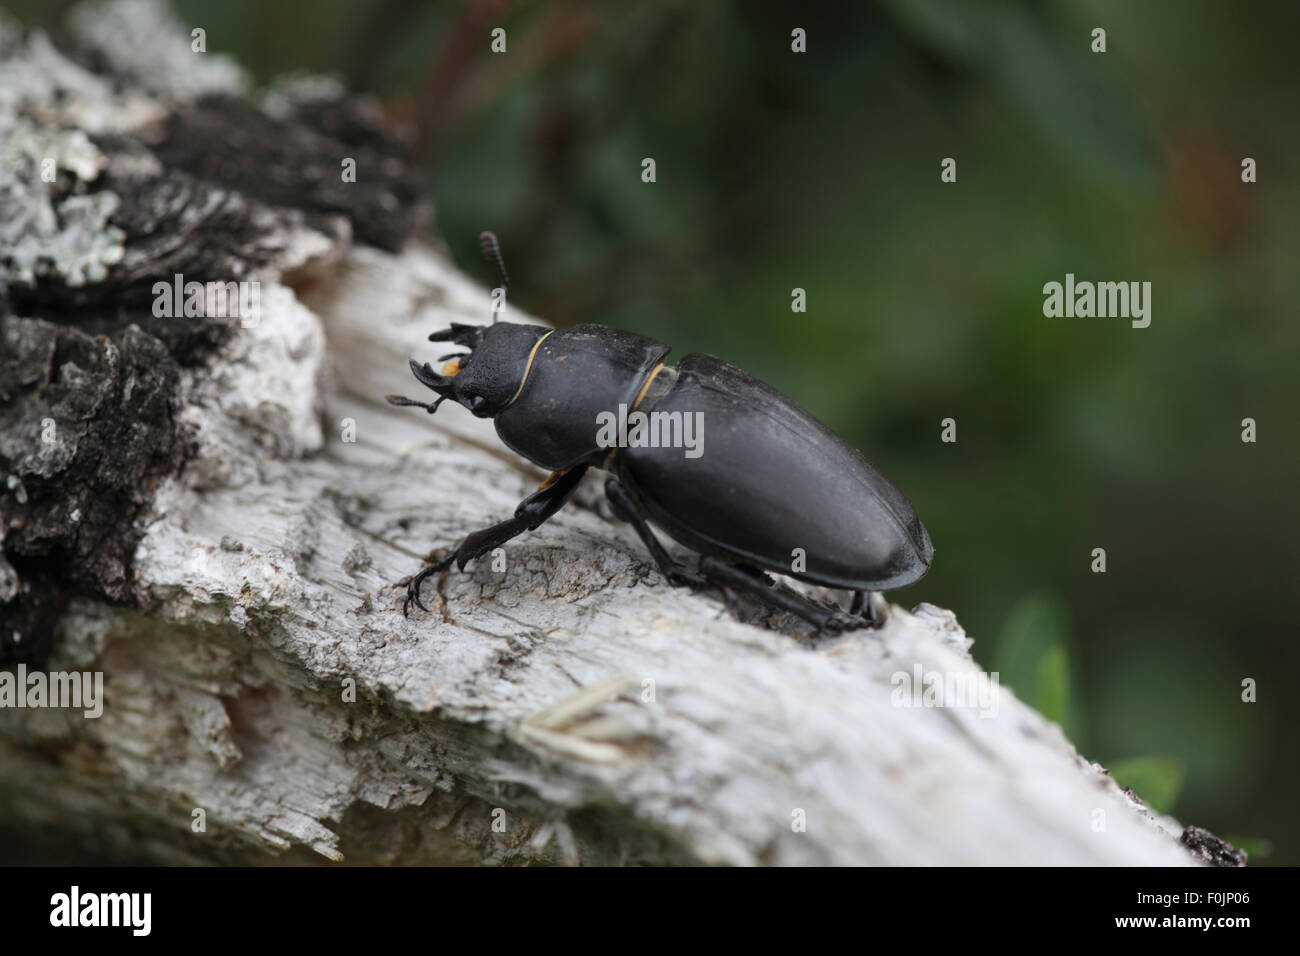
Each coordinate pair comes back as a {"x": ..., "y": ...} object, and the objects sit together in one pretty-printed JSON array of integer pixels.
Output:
[{"x": 413, "y": 585}]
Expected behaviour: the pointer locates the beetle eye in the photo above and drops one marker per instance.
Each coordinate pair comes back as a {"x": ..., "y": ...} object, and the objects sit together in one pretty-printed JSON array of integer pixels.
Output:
[{"x": 476, "y": 403}]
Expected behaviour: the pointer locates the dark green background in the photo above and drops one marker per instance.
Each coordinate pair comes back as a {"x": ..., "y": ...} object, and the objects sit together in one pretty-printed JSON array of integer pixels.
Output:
[{"x": 821, "y": 171}]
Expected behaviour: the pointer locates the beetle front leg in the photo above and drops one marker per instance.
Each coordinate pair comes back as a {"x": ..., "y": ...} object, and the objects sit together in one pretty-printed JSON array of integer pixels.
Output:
[{"x": 532, "y": 512}]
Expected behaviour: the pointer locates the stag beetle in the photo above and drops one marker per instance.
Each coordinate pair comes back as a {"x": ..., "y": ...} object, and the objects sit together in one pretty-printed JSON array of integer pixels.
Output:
[{"x": 771, "y": 485}]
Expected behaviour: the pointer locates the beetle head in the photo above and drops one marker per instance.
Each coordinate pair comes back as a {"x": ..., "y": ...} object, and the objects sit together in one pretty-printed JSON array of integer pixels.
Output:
[{"x": 488, "y": 377}]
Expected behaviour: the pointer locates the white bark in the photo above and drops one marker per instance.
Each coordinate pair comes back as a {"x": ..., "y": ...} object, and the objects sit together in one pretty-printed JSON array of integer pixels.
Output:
[{"x": 272, "y": 570}]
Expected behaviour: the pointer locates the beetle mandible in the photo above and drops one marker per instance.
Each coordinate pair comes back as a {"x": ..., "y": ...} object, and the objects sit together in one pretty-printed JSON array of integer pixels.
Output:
[{"x": 774, "y": 478}]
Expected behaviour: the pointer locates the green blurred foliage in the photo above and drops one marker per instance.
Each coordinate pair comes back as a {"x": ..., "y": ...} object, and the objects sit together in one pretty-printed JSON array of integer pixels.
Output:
[
  {"x": 821, "y": 171},
  {"x": 1256, "y": 848},
  {"x": 1032, "y": 658},
  {"x": 1157, "y": 780}
]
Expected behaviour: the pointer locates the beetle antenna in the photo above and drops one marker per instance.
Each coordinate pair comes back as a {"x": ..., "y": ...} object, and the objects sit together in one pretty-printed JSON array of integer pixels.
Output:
[
  {"x": 487, "y": 242},
  {"x": 429, "y": 407}
]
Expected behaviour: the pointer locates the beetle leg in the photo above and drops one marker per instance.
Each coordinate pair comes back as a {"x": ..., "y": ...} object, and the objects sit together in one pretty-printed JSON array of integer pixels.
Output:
[
  {"x": 625, "y": 510},
  {"x": 413, "y": 586},
  {"x": 864, "y": 607},
  {"x": 532, "y": 512},
  {"x": 726, "y": 577},
  {"x": 729, "y": 603},
  {"x": 758, "y": 584}
]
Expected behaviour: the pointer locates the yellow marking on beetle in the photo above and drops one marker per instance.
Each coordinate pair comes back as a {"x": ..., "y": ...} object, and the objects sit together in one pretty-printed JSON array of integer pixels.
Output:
[
  {"x": 552, "y": 478},
  {"x": 645, "y": 387},
  {"x": 527, "y": 368},
  {"x": 451, "y": 368}
]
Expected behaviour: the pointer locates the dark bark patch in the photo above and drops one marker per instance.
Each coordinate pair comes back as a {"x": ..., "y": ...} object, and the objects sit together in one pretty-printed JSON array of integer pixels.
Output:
[
  {"x": 297, "y": 161},
  {"x": 1208, "y": 848},
  {"x": 87, "y": 427}
]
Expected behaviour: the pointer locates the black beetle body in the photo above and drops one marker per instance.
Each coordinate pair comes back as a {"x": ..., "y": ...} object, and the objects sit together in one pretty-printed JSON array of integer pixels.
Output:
[
  {"x": 774, "y": 479},
  {"x": 772, "y": 487},
  {"x": 576, "y": 374}
]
